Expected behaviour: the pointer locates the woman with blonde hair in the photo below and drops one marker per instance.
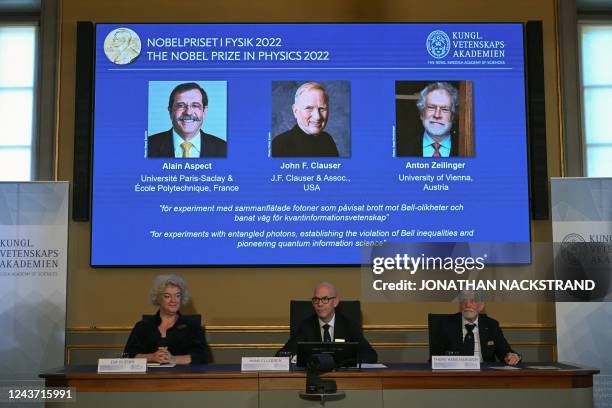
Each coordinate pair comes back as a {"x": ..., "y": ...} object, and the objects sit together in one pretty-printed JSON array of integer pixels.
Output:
[{"x": 168, "y": 337}]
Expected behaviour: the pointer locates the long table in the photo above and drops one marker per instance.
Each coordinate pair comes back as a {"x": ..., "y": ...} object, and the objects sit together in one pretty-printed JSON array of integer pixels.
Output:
[{"x": 399, "y": 385}]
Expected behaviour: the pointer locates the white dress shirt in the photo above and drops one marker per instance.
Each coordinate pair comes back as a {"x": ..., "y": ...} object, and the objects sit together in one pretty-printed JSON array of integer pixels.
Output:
[{"x": 331, "y": 323}]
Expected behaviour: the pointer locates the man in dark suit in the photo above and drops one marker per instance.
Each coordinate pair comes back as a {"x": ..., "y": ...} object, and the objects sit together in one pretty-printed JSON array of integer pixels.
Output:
[
  {"x": 187, "y": 105},
  {"x": 471, "y": 333},
  {"x": 329, "y": 326},
  {"x": 438, "y": 103}
]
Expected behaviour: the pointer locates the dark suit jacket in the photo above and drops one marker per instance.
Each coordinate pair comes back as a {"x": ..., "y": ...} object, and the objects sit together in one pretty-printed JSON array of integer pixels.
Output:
[
  {"x": 449, "y": 338},
  {"x": 160, "y": 145},
  {"x": 344, "y": 328},
  {"x": 411, "y": 146}
]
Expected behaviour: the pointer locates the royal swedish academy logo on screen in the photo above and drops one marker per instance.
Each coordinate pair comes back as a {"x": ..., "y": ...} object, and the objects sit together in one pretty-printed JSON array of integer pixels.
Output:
[{"x": 438, "y": 44}]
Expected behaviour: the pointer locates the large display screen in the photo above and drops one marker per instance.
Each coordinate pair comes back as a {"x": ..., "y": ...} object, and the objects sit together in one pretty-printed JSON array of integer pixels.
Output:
[{"x": 298, "y": 144}]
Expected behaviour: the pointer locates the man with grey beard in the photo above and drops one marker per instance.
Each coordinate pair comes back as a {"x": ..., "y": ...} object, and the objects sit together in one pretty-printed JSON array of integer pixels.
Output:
[
  {"x": 438, "y": 104},
  {"x": 471, "y": 333}
]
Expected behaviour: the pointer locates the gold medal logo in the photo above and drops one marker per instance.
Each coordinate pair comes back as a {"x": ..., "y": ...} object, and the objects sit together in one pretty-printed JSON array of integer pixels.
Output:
[{"x": 122, "y": 46}]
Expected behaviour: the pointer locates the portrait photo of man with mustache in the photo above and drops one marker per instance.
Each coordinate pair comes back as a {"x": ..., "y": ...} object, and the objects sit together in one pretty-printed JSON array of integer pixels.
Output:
[
  {"x": 444, "y": 127},
  {"x": 187, "y": 107}
]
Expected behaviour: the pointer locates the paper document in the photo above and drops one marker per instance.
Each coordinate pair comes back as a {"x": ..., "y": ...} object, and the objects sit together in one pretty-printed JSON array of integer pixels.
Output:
[
  {"x": 544, "y": 367},
  {"x": 155, "y": 365}
]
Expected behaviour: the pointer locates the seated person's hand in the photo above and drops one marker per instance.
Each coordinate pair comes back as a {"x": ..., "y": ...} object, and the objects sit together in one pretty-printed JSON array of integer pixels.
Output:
[
  {"x": 162, "y": 356},
  {"x": 512, "y": 358}
]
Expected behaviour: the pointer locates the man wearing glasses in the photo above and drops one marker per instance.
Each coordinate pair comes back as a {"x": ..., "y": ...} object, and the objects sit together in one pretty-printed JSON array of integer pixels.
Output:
[
  {"x": 437, "y": 104},
  {"x": 327, "y": 325},
  {"x": 187, "y": 105}
]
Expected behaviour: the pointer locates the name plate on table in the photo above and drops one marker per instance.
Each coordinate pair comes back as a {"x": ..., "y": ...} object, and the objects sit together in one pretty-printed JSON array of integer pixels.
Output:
[
  {"x": 122, "y": 365},
  {"x": 265, "y": 364},
  {"x": 455, "y": 363}
]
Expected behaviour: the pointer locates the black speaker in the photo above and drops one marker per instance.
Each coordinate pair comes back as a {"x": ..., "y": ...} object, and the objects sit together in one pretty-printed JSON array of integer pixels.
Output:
[
  {"x": 536, "y": 121},
  {"x": 83, "y": 120}
]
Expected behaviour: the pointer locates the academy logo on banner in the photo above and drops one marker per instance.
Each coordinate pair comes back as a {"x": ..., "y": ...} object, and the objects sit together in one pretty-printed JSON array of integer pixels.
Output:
[{"x": 33, "y": 265}]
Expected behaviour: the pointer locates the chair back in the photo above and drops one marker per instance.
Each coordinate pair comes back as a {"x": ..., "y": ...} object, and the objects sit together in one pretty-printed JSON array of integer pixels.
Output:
[
  {"x": 435, "y": 327},
  {"x": 195, "y": 319}
]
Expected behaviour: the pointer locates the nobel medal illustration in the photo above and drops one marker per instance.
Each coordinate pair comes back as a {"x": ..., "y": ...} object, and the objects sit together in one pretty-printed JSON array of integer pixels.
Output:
[{"x": 122, "y": 46}]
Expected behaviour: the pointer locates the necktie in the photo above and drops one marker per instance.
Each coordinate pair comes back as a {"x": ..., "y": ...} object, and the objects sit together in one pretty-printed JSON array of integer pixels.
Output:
[
  {"x": 436, "y": 147},
  {"x": 326, "y": 335},
  {"x": 186, "y": 146},
  {"x": 468, "y": 340}
]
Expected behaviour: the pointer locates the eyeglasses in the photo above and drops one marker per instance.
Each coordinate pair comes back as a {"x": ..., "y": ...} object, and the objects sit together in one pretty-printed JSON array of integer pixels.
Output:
[
  {"x": 433, "y": 108},
  {"x": 183, "y": 106},
  {"x": 325, "y": 300}
]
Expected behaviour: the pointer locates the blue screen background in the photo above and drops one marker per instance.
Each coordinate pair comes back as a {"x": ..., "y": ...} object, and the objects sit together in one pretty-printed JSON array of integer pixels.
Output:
[{"x": 372, "y": 57}]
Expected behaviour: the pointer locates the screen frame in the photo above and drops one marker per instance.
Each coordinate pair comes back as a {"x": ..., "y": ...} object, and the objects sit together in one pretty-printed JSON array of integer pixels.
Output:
[{"x": 527, "y": 119}]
